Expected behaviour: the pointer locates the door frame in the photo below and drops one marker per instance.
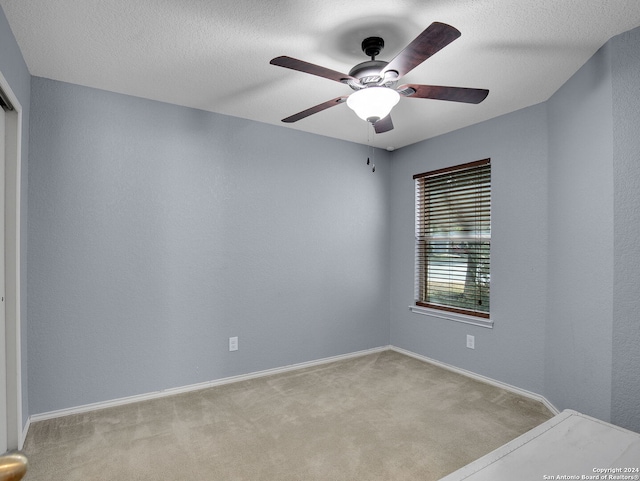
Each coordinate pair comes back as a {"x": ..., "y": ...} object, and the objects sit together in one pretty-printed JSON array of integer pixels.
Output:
[{"x": 16, "y": 432}]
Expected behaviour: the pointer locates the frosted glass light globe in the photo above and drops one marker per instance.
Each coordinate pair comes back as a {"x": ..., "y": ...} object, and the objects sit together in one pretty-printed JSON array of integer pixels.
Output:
[{"x": 373, "y": 103}]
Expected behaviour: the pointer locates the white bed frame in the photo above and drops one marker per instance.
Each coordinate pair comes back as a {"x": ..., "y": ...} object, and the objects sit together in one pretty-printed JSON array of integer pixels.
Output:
[{"x": 567, "y": 446}]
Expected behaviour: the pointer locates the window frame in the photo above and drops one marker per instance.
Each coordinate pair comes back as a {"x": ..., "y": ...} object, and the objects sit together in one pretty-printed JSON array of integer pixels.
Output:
[{"x": 422, "y": 306}]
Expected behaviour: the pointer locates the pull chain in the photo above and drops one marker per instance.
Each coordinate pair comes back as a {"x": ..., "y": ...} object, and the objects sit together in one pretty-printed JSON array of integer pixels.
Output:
[{"x": 371, "y": 159}]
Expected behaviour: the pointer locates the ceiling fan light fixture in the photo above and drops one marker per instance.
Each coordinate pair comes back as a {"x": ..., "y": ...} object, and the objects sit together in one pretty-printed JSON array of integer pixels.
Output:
[{"x": 373, "y": 103}]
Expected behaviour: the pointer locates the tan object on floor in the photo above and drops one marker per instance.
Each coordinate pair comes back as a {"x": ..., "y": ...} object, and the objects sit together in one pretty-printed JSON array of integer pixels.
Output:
[{"x": 13, "y": 466}]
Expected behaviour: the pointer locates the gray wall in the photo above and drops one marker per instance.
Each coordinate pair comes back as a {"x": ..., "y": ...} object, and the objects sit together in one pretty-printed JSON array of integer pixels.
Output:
[
  {"x": 512, "y": 351},
  {"x": 565, "y": 248},
  {"x": 626, "y": 282},
  {"x": 157, "y": 232},
  {"x": 580, "y": 282},
  {"x": 15, "y": 71}
]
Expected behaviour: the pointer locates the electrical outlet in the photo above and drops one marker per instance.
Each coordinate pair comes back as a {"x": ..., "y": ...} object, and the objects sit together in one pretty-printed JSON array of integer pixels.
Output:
[
  {"x": 471, "y": 341},
  {"x": 233, "y": 343}
]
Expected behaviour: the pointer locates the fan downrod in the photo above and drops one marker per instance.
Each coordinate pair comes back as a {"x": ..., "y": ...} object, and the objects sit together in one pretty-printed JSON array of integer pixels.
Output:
[{"x": 368, "y": 72}]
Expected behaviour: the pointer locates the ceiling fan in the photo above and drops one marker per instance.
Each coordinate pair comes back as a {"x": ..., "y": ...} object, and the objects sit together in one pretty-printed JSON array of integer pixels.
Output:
[{"x": 374, "y": 81}]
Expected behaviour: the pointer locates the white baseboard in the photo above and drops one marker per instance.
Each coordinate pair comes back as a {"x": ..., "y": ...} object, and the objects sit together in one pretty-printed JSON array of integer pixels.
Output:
[
  {"x": 269, "y": 372},
  {"x": 23, "y": 434},
  {"x": 194, "y": 387},
  {"x": 479, "y": 377}
]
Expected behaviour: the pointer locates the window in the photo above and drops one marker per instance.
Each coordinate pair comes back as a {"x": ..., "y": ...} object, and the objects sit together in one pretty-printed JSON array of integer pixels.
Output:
[{"x": 453, "y": 238}]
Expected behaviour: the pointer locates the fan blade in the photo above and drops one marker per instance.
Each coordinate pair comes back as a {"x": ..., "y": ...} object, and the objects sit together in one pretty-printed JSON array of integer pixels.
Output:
[
  {"x": 383, "y": 125},
  {"x": 435, "y": 37},
  {"x": 437, "y": 92},
  {"x": 315, "y": 109},
  {"x": 306, "y": 67}
]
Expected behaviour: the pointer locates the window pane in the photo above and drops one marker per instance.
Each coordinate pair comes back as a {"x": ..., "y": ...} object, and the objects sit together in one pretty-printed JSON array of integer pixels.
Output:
[
  {"x": 453, "y": 238},
  {"x": 458, "y": 274}
]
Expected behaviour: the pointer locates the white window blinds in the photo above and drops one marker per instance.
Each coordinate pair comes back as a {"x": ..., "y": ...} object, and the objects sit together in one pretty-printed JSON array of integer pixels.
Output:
[{"x": 453, "y": 238}]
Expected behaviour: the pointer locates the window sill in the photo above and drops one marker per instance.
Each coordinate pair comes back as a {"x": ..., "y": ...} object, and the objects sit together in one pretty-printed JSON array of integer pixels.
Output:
[{"x": 452, "y": 316}]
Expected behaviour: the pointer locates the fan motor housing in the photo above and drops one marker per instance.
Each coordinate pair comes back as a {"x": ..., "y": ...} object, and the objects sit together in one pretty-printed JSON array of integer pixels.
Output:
[{"x": 369, "y": 71}]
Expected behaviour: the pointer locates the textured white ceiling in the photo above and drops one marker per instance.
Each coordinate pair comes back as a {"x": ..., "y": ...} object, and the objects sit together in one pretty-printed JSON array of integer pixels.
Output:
[{"x": 214, "y": 55}]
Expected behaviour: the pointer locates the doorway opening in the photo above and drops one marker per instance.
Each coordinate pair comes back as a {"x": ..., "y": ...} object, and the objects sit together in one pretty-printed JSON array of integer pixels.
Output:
[{"x": 11, "y": 422}]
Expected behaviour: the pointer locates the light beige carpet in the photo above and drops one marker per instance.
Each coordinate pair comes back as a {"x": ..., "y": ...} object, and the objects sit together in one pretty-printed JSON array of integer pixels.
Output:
[{"x": 383, "y": 416}]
